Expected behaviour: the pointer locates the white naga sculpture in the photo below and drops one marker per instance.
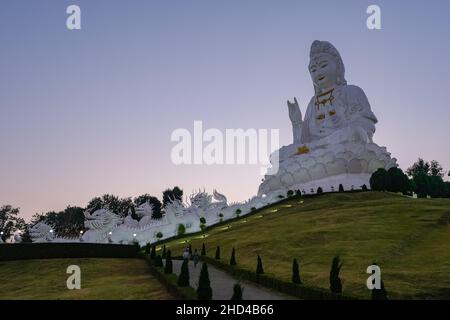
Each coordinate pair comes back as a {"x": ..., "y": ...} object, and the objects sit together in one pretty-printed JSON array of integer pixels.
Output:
[
  {"x": 202, "y": 209},
  {"x": 333, "y": 143},
  {"x": 103, "y": 226},
  {"x": 41, "y": 232}
]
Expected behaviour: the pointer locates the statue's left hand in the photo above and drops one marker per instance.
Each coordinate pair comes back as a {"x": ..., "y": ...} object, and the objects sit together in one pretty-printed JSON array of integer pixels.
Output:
[{"x": 294, "y": 111}]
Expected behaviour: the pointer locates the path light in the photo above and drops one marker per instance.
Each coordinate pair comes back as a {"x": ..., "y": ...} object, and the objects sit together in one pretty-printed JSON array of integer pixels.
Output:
[
  {"x": 134, "y": 235},
  {"x": 51, "y": 230},
  {"x": 81, "y": 232}
]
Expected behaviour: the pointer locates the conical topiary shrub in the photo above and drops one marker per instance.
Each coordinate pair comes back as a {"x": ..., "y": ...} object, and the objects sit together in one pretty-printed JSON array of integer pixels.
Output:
[
  {"x": 153, "y": 253},
  {"x": 296, "y": 272},
  {"x": 237, "y": 292},
  {"x": 204, "y": 291},
  {"x": 218, "y": 253},
  {"x": 183, "y": 278},
  {"x": 335, "y": 281},
  {"x": 259, "y": 266},
  {"x": 233, "y": 258},
  {"x": 168, "y": 268},
  {"x": 158, "y": 261},
  {"x": 379, "y": 294},
  {"x": 164, "y": 253},
  {"x": 203, "y": 253}
]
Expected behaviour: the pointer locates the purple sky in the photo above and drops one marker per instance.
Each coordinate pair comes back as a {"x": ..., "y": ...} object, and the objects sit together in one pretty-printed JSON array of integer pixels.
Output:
[{"x": 91, "y": 112}]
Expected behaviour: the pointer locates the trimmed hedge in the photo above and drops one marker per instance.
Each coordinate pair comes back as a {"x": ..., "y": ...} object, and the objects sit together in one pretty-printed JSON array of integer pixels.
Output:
[
  {"x": 300, "y": 291},
  {"x": 170, "y": 282},
  {"x": 23, "y": 251}
]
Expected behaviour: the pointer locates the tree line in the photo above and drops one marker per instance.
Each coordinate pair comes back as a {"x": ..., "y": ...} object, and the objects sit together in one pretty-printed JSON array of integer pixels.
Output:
[{"x": 423, "y": 177}]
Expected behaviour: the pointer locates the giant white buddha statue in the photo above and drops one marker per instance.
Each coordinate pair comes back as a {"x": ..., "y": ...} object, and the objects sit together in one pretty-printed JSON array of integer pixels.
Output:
[{"x": 333, "y": 143}]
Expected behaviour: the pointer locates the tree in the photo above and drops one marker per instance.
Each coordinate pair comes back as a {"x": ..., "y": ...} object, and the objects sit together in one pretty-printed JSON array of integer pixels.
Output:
[
  {"x": 298, "y": 193},
  {"x": 218, "y": 253},
  {"x": 237, "y": 292},
  {"x": 436, "y": 186},
  {"x": 397, "y": 180},
  {"x": 204, "y": 291},
  {"x": 335, "y": 281},
  {"x": 364, "y": 188},
  {"x": 168, "y": 268},
  {"x": 422, "y": 184},
  {"x": 238, "y": 212},
  {"x": 10, "y": 222},
  {"x": 183, "y": 278},
  {"x": 341, "y": 188},
  {"x": 447, "y": 189},
  {"x": 153, "y": 253},
  {"x": 172, "y": 194},
  {"x": 156, "y": 204},
  {"x": 181, "y": 229},
  {"x": 233, "y": 258},
  {"x": 203, "y": 253},
  {"x": 379, "y": 180},
  {"x": 259, "y": 266},
  {"x": 158, "y": 261},
  {"x": 119, "y": 206},
  {"x": 296, "y": 272},
  {"x": 379, "y": 294},
  {"x": 147, "y": 248},
  {"x": 290, "y": 193},
  {"x": 319, "y": 190},
  {"x": 436, "y": 169},
  {"x": 419, "y": 167},
  {"x": 164, "y": 253},
  {"x": 159, "y": 235}
]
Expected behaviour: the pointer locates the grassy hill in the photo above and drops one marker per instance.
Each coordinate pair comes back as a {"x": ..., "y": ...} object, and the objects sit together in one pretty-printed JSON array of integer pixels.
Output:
[
  {"x": 408, "y": 238},
  {"x": 100, "y": 279}
]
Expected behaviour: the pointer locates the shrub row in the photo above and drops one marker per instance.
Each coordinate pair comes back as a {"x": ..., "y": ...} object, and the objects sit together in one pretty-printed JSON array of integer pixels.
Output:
[
  {"x": 301, "y": 291},
  {"x": 170, "y": 281},
  {"x": 23, "y": 251}
]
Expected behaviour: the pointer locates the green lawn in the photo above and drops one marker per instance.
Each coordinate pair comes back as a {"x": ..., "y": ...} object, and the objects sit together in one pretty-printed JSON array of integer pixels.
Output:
[
  {"x": 100, "y": 279},
  {"x": 408, "y": 238}
]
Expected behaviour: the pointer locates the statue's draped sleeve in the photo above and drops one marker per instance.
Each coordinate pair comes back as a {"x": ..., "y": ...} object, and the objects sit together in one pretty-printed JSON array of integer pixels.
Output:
[{"x": 358, "y": 111}]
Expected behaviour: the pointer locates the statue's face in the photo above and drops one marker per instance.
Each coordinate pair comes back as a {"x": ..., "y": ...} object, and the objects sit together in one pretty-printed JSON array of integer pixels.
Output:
[{"x": 324, "y": 71}]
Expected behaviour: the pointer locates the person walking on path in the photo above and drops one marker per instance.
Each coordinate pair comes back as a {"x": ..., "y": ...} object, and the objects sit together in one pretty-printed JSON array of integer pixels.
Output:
[{"x": 186, "y": 255}]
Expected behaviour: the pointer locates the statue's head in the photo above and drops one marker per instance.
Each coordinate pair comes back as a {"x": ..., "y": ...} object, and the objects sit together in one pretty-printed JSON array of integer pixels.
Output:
[
  {"x": 101, "y": 219},
  {"x": 325, "y": 66}
]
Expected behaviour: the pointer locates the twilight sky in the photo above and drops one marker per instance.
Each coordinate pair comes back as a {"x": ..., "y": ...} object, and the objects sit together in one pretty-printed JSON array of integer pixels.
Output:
[{"x": 90, "y": 112}]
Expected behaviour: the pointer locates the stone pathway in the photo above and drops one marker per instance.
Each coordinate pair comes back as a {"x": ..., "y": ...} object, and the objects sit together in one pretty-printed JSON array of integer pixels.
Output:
[{"x": 222, "y": 284}]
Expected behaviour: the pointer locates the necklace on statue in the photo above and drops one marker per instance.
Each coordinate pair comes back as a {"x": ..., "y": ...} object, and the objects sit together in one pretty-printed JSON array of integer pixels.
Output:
[{"x": 324, "y": 98}]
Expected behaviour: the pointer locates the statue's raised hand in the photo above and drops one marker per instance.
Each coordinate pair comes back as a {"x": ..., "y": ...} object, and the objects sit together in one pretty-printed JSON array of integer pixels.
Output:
[{"x": 294, "y": 111}]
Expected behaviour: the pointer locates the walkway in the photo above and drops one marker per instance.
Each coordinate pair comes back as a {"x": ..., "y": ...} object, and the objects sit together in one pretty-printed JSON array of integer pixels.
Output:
[{"x": 222, "y": 284}]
